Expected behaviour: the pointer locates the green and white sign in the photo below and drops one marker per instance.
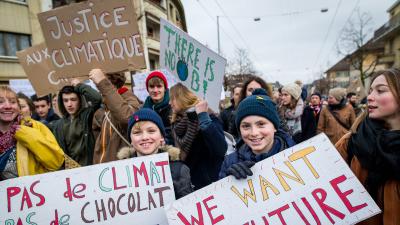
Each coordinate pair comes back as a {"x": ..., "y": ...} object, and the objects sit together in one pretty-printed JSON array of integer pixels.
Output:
[{"x": 196, "y": 66}]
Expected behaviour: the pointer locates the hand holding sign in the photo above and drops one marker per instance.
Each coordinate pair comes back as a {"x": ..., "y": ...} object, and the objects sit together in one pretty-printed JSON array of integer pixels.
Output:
[
  {"x": 96, "y": 75},
  {"x": 202, "y": 106}
]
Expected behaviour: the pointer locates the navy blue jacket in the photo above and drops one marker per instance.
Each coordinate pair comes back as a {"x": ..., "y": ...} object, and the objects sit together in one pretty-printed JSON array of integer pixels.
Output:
[
  {"x": 207, "y": 152},
  {"x": 282, "y": 141}
]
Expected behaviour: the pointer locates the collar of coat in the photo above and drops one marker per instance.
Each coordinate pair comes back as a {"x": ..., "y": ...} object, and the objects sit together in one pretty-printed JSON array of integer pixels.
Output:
[{"x": 129, "y": 152}]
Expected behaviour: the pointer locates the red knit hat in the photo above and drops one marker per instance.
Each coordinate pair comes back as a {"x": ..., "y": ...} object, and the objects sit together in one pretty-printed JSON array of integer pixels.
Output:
[{"x": 158, "y": 74}]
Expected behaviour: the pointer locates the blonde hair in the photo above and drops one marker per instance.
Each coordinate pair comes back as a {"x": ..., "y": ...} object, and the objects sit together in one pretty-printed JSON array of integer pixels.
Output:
[
  {"x": 184, "y": 98},
  {"x": 6, "y": 89}
]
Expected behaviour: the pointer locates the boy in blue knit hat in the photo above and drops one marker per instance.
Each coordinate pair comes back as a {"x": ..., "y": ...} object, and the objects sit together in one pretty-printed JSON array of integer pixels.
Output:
[
  {"x": 146, "y": 133},
  {"x": 258, "y": 124}
]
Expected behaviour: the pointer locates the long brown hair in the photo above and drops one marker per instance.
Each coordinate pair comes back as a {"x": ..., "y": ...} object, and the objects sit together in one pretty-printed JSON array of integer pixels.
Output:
[
  {"x": 259, "y": 80},
  {"x": 184, "y": 98},
  {"x": 392, "y": 77}
]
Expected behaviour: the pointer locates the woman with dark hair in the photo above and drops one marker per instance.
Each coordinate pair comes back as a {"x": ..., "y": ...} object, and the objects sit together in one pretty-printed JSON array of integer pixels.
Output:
[
  {"x": 26, "y": 104},
  {"x": 198, "y": 133},
  {"x": 252, "y": 83},
  {"x": 372, "y": 146}
]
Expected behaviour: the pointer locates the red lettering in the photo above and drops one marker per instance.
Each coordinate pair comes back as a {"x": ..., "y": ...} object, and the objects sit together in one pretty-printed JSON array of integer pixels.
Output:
[
  {"x": 41, "y": 197},
  {"x": 324, "y": 207},
  {"x": 162, "y": 164},
  {"x": 72, "y": 193},
  {"x": 213, "y": 220},
  {"x": 114, "y": 176},
  {"x": 279, "y": 213},
  {"x": 199, "y": 221},
  {"x": 311, "y": 210},
  {"x": 27, "y": 199},
  {"x": 143, "y": 172},
  {"x": 300, "y": 213},
  {"x": 11, "y": 192},
  {"x": 343, "y": 195},
  {"x": 55, "y": 221}
]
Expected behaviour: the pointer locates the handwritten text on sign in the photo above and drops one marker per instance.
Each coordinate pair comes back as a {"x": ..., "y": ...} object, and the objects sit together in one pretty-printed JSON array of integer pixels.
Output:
[
  {"x": 306, "y": 184},
  {"x": 196, "y": 66},
  {"x": 113, "y": 193},
  {"x": 97, "y": 33}
]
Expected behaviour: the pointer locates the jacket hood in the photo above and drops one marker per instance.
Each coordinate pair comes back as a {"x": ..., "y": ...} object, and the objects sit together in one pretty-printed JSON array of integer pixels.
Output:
[
  {"x": 129, "y": 152},
  {"x": 63, "y": 110}
]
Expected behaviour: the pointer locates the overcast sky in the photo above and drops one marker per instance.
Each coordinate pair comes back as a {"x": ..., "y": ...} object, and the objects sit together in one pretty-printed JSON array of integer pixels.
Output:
[{"x": 288, "y": 42}]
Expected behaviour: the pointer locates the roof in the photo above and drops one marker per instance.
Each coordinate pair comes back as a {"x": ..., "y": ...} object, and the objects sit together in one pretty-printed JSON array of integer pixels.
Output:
[
  {"x": 342, "y": 65},
  {"x": 393, "y": 6}
]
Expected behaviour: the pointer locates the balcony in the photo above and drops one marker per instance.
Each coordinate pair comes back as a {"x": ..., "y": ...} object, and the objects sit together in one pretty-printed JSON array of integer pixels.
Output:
[
  {"x": 389, "y": 29},
  {"x": 387, "y": 59}
]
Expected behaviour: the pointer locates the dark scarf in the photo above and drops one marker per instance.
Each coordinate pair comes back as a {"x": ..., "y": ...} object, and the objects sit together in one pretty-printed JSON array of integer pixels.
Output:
[
  {"x": 184, "y": 132},
  {"x": 148, "y": 103},
  {"x": 339, "y": 106},
  {"x": 378, "y": 151},
  {"x": 7, "y": 139}
]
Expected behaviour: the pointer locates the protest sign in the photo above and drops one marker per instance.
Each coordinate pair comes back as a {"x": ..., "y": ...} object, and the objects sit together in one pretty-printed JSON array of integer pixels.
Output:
[
  {"x": 36, "y": 62},
  {"x": 23, "y": 86},
  {"x": 118, "y": 192},
  {"x": 197, "y": 67},
  {"x": 139, "y": 79},
  {"x": 93, "y": 34},
  {"x": 309, "y": 183}
]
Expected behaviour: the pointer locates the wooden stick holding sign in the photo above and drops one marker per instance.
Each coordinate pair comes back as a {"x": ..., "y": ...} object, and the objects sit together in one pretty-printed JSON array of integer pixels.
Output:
[
  {"x": 93, "y": 34},
  {"x": 309, "y": 183},
  {"x": 196, "y": 66}
]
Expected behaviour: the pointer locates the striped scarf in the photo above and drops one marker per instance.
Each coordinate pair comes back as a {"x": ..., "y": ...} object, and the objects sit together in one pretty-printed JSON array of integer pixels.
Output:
[{"x": 184, "y": 133}]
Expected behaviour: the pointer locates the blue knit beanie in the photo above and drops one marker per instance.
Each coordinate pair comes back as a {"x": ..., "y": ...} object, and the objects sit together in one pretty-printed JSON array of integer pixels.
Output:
[
  {"x": 258, "y": 104},
  {"x": 145, "y": 114}
]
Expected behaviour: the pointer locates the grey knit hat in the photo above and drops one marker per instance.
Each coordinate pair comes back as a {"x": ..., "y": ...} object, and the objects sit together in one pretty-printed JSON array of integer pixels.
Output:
[
  {"x": 338, "y": 93},
  {"x": 293, "y": 89}
]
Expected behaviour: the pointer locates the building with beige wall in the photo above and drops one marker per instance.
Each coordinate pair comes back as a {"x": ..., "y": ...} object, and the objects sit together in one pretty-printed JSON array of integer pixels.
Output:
[{"x": 20, "y": 29}]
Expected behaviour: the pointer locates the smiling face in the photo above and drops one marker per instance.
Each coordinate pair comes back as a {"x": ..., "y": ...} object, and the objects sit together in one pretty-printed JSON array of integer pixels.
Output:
[
  {"x": 381, "y": 101},
  {"x": 25, "y": 110},
  {"x": 146, "y": 138},
  {"x": 258, "y": 133},
  {"x": 9, "y": 108}
]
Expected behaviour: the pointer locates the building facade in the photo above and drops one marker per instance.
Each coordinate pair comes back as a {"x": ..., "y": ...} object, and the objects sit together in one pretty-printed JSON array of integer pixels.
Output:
[{"x": 20, "y": 29}]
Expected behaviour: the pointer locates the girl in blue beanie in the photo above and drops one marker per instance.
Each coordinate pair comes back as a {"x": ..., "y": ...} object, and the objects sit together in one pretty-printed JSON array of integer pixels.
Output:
[{"x": 258, "y": 123}]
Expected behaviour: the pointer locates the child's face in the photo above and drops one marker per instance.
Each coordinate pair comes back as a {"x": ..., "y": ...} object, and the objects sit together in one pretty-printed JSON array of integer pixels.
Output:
[
  {"x": 258, "y": 133},
  {"x": 146, "y": 138}
]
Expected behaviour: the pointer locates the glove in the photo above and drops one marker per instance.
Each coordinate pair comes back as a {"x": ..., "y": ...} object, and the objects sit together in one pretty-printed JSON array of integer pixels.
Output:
[{"x": 241, "y": 170}]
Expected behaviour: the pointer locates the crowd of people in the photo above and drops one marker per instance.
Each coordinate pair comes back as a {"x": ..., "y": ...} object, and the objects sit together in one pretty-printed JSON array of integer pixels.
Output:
[{"x": 80, "y": 124}]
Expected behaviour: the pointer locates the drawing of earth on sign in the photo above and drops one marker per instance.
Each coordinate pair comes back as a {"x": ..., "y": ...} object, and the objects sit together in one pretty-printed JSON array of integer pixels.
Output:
[{"x": 182, "y": 70}]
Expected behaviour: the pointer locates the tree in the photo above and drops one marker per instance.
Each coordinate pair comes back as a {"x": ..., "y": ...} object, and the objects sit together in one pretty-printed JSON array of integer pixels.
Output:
[
  {"x": 241, "y": 64},
  {"x": 355, "y": 45}
]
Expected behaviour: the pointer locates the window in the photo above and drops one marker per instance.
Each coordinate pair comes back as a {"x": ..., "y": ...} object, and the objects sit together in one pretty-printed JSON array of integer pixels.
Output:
[
  {"x": 150, "y": 32},
  {"x": 10, "y": 43}
]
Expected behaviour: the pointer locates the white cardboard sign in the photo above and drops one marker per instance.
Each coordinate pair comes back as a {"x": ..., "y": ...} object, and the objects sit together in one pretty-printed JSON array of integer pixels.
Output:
[
  {"x": 118, "y": 192},
  {"x": 196, "y": 66},
  {"x": 309, "y": 183}
]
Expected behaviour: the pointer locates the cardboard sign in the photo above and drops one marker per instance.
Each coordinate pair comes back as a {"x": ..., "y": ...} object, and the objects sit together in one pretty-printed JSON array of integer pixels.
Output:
[
  {"x": 93, "y": 34},
  {"x": 118, "y": 192},
  {"x": 309, "y": 183},
  {"x": 197, "y": 67},
  {"x": 36, "y": 62},
  {"x": 139, "y": 79}
]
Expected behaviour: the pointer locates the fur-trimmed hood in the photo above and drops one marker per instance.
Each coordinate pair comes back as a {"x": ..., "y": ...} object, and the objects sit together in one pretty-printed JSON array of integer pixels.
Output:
[{"x": 129, "y": 152}]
